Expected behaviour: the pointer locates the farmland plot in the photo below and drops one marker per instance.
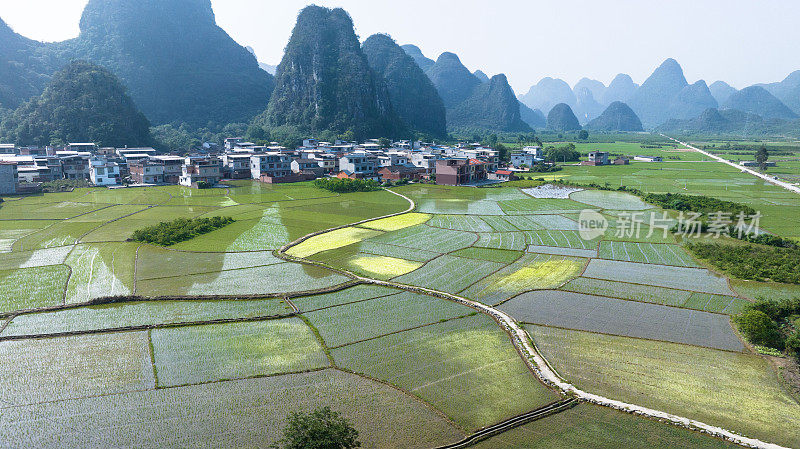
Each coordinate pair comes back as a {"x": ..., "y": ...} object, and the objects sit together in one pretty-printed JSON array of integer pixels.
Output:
[
  {"x": 154, "y": 262},
  {"x": 450, "y": 274},
  {"x": 735, "y": 391},
  {"x": 427, "y": 238},
  {"x": 279, "y": 278},
  {"x": 566, "y": 239},
  {"x": 499, "y": 224},
  {"x": 716, "y": 303},
  {"x": 467, "y": 368},
  {"x": 198, "y": 354},
  {"x": 331, "y": 240},
  {"x": 403, "y": 252},
  {"x": 531, "y": 272},
  {"x": 625, "y": 318},
  {"x": 63, "y": 233},
  {"x": 605, "y": 199},
  {"x": 468, "y": 223},
  {"x": 646, "y": 253},
  {"x": 459, "y": 206},
  {"x": 147, "y": 313},
  {"x": 122, "y": 229},
  {"x": 266, "y": 232},
  {"x": 32, "y": 288},
  {"x": 100, "y": 270},
  {"x": 35, "y": 371},
  {"x": 695, "y": 279},
  {"x": 370, "y": 265},
  {"x": 633, "y": 292},
  {"x": 242, "y": 414},
  {"x": 35, "y": 259},
  {"x": 560, "y": 251},
  {"x": 13, "y": 210},
  {"x": 347, "y": 296},
  {"x": 360, "y": 321},
  {"x": 543, "y": 221},
  {"x": 494, "y": 255},
  {"x": 138, "y": 195},
  {"x": 590, "y": 426},
  {"x": 502, "y": 240},
  {"x": 11, "y": 231},
  {"x": 541, "y": 206},
  {"x": 398, "y": 222}
]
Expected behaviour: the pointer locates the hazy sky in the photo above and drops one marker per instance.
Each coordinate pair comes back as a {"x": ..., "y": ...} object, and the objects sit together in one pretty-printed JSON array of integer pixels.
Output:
[{"x": 740, "y": 41}]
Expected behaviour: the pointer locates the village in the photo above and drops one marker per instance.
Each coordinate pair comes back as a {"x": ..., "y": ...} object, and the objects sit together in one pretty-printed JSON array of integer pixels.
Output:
[{"x": 25, "y": 169}]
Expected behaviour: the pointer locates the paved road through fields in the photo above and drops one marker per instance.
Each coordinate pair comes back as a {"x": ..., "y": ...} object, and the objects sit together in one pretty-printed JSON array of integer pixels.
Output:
[{"x": 770, "y": 179}]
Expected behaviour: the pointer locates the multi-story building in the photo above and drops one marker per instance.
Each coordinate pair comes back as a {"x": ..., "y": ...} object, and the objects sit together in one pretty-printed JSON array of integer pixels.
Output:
[
  {"x": 529, "y": 156},
  {"x": 206, "y": 170},
  {"x": 146, "y": 171},
  {"x": 173, "y": 167},
  {"x": 8, "y": 178},
  {"x": 455, "y": 172},
  {"x": 270, "y": 167},
  {"x": 55, "y": 166},
  {"x": 75, "y": 165},
  {"x": 424, "y": 160},
  {"x": 597, "y": 158},
  {"x": 104, "y": 172},
  {"x": 236, "y": 165},
  {"x": 8, "y": 148},
  {"x": 357, "y": 165},
  {"x": 393, "y": 158},
  {"x": 82, "y": 147}
]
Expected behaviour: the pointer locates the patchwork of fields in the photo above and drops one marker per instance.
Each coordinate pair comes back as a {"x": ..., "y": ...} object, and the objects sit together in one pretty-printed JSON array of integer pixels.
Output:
[{"x": 237, "y": 335}]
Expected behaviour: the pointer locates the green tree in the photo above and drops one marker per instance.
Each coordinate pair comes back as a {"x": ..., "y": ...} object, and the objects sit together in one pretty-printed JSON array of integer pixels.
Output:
[
  {"x": 761, "y": 157},
  {"x": 793, "y": 344},
  {"x": 759, "y": 329},
  {"x": 583, "y": 134},
  {"x": 384, "y": 142},
  {"x": 320, "y": 429}
]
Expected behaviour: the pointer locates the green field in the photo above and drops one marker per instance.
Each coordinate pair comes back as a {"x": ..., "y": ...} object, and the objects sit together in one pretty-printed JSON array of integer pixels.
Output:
[
  {"x": 199, "y": 354},
  {"x": 409, "y": 370},
  {"x": 735, "y": 391},
  {"x": 467, "y": 368},
  {"x": 589, "y": 426}
]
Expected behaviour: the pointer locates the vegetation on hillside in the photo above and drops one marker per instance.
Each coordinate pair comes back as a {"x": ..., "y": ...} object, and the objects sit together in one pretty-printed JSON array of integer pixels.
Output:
[
  {"x": 324, "y": 82},
  {"x": 320, "y": 429},
  {"x": 176, "y": 231},
  {"x": 617, "y": 117},
  {"x": 83, "y": 103},
  {"x": 492, "y": 106},
  {"x": 412, "y": 93},
  {"x": 339, "y": 185},
  {"x": 561, "y": 118}
]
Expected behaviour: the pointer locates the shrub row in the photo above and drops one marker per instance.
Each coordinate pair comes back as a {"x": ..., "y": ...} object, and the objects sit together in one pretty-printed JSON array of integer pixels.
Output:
[
  {"x": 182, "y": 229},
  {"x": 338, "y": 185},
  {"x": 772, "y": 323}
]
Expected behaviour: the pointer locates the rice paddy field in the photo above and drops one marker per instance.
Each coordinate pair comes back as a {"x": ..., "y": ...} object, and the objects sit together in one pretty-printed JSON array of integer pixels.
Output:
[
  {"x": 238, "y": 336},
  {"x": 731, "y": 390}
]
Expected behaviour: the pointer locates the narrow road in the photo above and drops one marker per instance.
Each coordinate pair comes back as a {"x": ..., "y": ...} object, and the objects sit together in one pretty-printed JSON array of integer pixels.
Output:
[
  {"x": 770, "y": 179},
  {"x": 532, "y": 356}
]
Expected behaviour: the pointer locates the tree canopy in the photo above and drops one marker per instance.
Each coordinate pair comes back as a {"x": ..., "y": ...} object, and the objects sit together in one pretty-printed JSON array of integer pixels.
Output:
[{"x": 320, "y": 429}]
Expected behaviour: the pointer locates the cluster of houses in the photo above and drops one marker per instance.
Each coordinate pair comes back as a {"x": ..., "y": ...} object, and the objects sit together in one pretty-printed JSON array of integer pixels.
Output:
[{"x": 23, "y": 168}]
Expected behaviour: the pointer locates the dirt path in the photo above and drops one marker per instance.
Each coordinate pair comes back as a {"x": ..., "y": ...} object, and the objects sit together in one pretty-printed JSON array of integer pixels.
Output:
[{"x": 533, "y": 357}]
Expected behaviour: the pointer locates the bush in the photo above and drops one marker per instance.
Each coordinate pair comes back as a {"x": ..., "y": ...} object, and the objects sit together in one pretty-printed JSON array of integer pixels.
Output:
[
  {"x": 753, "y": 262},
  {"x": 180, "y": 230},
  {"x": 321, "y": 429},
  {"x": 759, "y": 329},
  {"x": 793, "y": 344},
  {"x": 344, "y": 185}
]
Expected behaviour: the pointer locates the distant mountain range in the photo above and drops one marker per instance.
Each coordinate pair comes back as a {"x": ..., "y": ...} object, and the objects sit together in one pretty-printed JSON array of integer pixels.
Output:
[
  {"x": 667, "y": 99},
  {"x": 181, "y": 69}
]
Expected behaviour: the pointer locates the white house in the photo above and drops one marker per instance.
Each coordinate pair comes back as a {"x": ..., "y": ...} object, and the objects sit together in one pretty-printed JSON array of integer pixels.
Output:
[{"x": 103, "y": 173}]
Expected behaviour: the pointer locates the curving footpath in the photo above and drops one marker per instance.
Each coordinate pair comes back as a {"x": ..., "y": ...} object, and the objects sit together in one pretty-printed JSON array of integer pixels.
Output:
[
  {"x": 537, "y": 363},
  {"x": 777, "y": 182}
]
